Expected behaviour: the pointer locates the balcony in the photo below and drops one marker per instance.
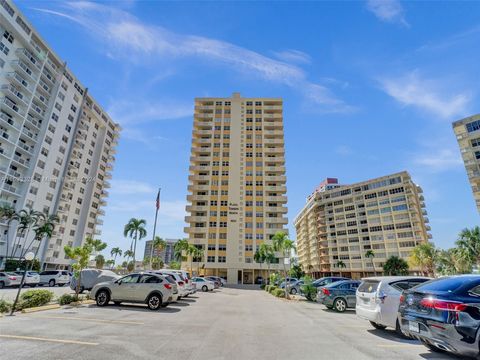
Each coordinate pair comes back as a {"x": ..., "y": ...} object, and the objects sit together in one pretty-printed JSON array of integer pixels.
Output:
[
  {"x": 192, "y": 178},
  {"x": 198, "y": 168},
  {"x": 9, "y": 105},
  {"x": 101, "y": 212},
  {"x": 201, "y": 141},
  {"x": 18, "y": 80},
  {"x": 29, "y": 57},
  {"x": 198, "y": 197},
  {"x": 48, "y": 76},
  {"x": 9, "y": 121},
  {"x": 43, "y": 87},
  {"x": 280, "y": 189},
  {"x": 11, "y": 189},
  {"x": 194, "y": 219},
  {"x": 279, "y": 198},
  {"x": 15, "y": 94},
  {"x": 34, "y": 121},
  {"x": 280, "y": 179},
  {"x": 269, "y": 220},
  {"x": 30, "y": 135},
  {"x": 24, "y": 69}
]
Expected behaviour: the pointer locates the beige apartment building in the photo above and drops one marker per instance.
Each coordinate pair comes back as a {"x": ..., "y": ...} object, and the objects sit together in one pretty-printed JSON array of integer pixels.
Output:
[
  {"x": 340, "y": 223},
  {"x": 467, "y": 132},
  {"x": 237, "y": 184},
  {"x": 57, "y": 145}
]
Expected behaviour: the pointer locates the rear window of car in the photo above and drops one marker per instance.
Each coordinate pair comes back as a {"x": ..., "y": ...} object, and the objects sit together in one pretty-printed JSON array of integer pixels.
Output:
[
  {"x": 64, "y": 273},
  {"x": 368, "y": 286},
  {"x": 446, "y": 284}
]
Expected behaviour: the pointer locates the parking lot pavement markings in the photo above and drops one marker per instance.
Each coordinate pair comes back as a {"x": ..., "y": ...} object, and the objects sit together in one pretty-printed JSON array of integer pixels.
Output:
[
  {"x": 126, "y": 322},
  {"x": 62, "y": 341}
]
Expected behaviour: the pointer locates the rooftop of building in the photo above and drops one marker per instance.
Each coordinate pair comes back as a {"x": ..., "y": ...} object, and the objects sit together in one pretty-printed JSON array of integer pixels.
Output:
[
  {"x": 236, "y": 95},
  {"x": 466, "y": 120}
]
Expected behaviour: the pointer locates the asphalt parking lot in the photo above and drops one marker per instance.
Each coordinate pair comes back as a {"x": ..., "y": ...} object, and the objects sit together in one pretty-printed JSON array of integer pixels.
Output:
[
  {"x": 224, "y": 324},
  {"x": 9, "y": 294}
]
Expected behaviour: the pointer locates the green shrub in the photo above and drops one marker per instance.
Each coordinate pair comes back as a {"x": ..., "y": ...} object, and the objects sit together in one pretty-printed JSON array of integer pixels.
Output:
[
  {"x": 279, "y": 292},
  {"x": 66, "y": 299},
  {"x": 4, "y": 306},
  {"x": 308, "y": 289},
  {"x": 262, "y": 286},
  {"x": 33, "y": 298},
  {"x": 272, "y": 289}
]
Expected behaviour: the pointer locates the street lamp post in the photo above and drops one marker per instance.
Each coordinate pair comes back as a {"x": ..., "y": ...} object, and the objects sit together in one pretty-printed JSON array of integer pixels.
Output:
[{"x": 28, "y": 257}]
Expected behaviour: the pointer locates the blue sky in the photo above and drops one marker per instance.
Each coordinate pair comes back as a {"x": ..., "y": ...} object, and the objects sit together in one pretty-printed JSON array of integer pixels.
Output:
[{"x": 369, "y": 88}]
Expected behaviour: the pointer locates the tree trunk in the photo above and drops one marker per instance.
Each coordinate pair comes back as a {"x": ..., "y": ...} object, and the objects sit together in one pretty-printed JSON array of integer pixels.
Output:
[
  {"x": 134, "y": 250},
  {"x": 285, "y": 276},
  {"x": 77, "y": 288}
]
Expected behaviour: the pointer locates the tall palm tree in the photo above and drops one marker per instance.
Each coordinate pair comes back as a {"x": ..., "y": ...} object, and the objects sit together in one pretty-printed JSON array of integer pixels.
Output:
[
  {"x": 158, "y": 244},
  {"x": 468, "y": 244},
  {"x": 370, "y": 254},
  {"x": 267, "y": 251},
  {"x": 26, "y": 220},
  {"x": 259, "y": 258},
  {"x": 116, "y": 251},
  {"x": 191, "y": 251},
  {"x": 43, "y": 231},
  {"x": 99, "y": 261},
  {"x": 135, "y": 229},
  {"x": 128, "y": 254},
  {"x": 180, "y": 248},
  {"x": 283, "y": 245},
  {"x": 7, "y": 214}
]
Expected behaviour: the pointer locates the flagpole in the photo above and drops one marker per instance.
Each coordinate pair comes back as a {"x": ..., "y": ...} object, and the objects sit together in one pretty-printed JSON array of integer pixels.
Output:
[{"x": 157, "y": 206}]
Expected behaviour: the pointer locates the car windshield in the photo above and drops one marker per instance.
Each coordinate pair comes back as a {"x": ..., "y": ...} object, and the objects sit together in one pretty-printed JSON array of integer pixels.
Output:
[{"x": 368, "y": 286}]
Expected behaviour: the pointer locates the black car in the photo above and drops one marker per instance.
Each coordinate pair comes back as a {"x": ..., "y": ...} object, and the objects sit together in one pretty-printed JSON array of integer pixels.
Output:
[
  {"x": 327, "y": 280},
  {"x": 444, "y": 314}
]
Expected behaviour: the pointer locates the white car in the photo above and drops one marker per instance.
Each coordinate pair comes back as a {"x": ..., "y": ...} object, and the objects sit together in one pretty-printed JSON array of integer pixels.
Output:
[
  {"x": 181, "y": 285},
  {"x": 32, "y": 278},
  {"x": 378, "y": 299},
  {"x": 54, "y": 277},
  {"x": 189, "y": 284},
  {"x": 203, "y": 284}
]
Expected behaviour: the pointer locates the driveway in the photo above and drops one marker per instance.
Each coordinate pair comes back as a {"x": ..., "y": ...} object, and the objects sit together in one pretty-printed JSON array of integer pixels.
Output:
[{"x": 224, "y": 324}]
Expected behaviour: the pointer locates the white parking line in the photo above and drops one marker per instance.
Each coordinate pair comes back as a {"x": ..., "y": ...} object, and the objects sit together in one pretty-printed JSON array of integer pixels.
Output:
[{"x": 19, "y": 337}]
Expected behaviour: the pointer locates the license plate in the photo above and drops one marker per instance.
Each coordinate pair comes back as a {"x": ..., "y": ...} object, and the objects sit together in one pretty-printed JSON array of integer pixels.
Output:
[{"x": 413, "y": 326}]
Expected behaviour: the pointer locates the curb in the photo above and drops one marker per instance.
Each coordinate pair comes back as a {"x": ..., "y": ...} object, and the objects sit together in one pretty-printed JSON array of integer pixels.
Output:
[
  {"x": 84, "y": 302},
  {"x": 40, "y": 308}
]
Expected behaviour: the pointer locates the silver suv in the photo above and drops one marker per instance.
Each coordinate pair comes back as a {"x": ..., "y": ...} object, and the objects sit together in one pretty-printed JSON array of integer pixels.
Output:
[
  {"x": 145, "y": 288},
  {"x": 54, "y": 277}
]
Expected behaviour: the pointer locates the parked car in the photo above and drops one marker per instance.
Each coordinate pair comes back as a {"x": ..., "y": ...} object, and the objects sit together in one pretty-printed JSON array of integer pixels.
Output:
[
  {"x": 183, "y": 291},
  {"x": 444, "y": 314},
  {"x": 8, "y": 279},
  {"x": 216, "y": 282},
  {"x": 204, "y": 284},
  {"x": 327, "y": 280},
  {"x": 144, "y": 288},
  {"x": 259, "y": 280},
  {"x": 54, "y": 277},
  {"x": 378, "y": 299},
  {"x": 221, "y": 282},
  {"x": 289, "y": 281},
  {"x": 32, "y": 278},
  {"x": 339, "y": 295},
  {"x": 295, "y": 287},
  {"x": 189, "y": 284},
  {"x": 90, "y": 277}
]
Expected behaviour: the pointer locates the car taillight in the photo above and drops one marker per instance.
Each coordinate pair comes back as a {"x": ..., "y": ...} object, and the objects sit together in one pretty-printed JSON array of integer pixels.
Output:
[
  {"x": 402, "y": 299},
  {"x": 180, "y": 283},
  {"x": 12, "y": 278},
  {"x": 325, "y": 291},
  {"x": 186, "y": 281},
  {"x": 167, "y": 286},
  {"x": 443, "y": 304}
]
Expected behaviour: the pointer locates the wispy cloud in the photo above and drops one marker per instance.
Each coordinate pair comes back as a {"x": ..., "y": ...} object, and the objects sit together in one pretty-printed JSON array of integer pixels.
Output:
[
  {"x": 131, "y": 187},
  {"x": 426, "y": 94},
  {"x": 127, "y": 38},
  {"x": 439, "y": 160},
  {"x": 146, "y": 138},
  {"x": 293, "y": 56},
  {"x": 388, "y": 11}
]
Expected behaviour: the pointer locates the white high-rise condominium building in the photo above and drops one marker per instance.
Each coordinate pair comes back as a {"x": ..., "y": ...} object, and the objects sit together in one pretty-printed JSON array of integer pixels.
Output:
[
  {"x": 237, "y": 185},
  {"x": 56, "y": 143}
]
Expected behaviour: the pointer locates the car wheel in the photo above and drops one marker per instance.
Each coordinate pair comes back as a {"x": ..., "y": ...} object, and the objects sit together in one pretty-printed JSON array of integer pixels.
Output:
[
  {"x": 432, "y": 347},
  {"x": 293, "y": 291},
  {"x": 154, "y": 302},
  {"x": 204, "y": 288},
  {"x": 378, "y": 326},
  {"x": 117, "y": 303},
  {"x": 399, "y": 331},
  {"x": 102, "y": 298},
  {"x": 2, "y": 284},
  {"x": 51, "y": 283},
  {"x": 340, "y": 305},
  {"x": 81, "y": 290}
]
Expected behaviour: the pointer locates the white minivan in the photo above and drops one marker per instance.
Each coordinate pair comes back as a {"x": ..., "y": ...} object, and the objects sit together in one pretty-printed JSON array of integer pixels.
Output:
[{"x": 378, "y": 299}]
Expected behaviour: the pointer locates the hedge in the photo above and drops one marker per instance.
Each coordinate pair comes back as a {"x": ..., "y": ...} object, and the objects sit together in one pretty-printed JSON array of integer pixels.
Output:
[
  {"x": 4, "y": 306},
  {"x": 33, "y": 298},
  {"x": 66, "y": 299},
  {"x": 279, "y": 292}
]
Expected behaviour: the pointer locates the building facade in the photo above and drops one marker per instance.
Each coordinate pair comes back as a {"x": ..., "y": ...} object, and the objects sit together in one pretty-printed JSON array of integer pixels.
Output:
[
  {"x": 467, "y": 132},
  {"x": 56, "y": 147},
  {"x": 237, "y": 184},
  {"x": 338, "y": 226},
  {"x": 167, "y": 254}
]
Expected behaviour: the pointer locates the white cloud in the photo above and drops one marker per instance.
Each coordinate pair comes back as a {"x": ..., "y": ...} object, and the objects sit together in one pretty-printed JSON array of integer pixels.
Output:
[
  {"x": 425, "y": 94},
  {"x": 128, "y": 39},
  {"x": 129, "y": 187},
  {"x": 293, "y": 56},
  {"x": 439, "y": 160},
  {"x": 388, "y": 11}
]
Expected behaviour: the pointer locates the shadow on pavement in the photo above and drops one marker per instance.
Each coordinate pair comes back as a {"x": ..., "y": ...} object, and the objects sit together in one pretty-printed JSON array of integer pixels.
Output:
[
  {"x": 348, "y": 312},
  {"x": 179, "y": 303},
  {"x": 188, "y": 300},
  {"x": 434, "y": 355},
  {"x": 392, "y": 335},
  {"x": 137, "y": 307}
]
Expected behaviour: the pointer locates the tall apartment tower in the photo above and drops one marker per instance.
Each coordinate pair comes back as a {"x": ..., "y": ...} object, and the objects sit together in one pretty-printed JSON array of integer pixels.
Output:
[
  {"x": 340, "y": 224},
  {"x": 237, "y": 191},
  {"x": 56, "y": 143},
  {"x": 467, "y": 132}
]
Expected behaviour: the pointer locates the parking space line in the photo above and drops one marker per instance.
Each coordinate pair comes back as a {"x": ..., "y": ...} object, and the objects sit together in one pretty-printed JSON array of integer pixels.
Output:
[
  {"x": 75, "y": 342},
  {"x": 126, "y": 322}
]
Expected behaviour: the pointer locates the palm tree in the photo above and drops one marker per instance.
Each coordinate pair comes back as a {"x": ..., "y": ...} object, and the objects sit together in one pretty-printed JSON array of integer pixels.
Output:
[
  {"x": 158, "y": 244},
  {"x": 179, "y": 249},
  {"x": 425, "y": 257},
  {"x": 395, "y": 266},
  {"x": 128, "y": 254},
  {"x": 267, "y": 251},
  {"x": 468, "y": 244},
  {"x": 99, "y": 261},
  {"x": 259, "y": 258},
  {"x": 283, "y": 245},
  {"x": 7, "y": 214},
  {"x": 191, "y": 251},
  {"x": 97, "y": 245},
  {"x": 340, "y": 265},
  {"x": 26, "y": 220},
  {"x": 135, "y": 229},
  {"x": 116, "y": 251},
  {"x": 370, "y": 254},
  {"x": 43, "y": 230},
  {"x": 110, "y": 263}
]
